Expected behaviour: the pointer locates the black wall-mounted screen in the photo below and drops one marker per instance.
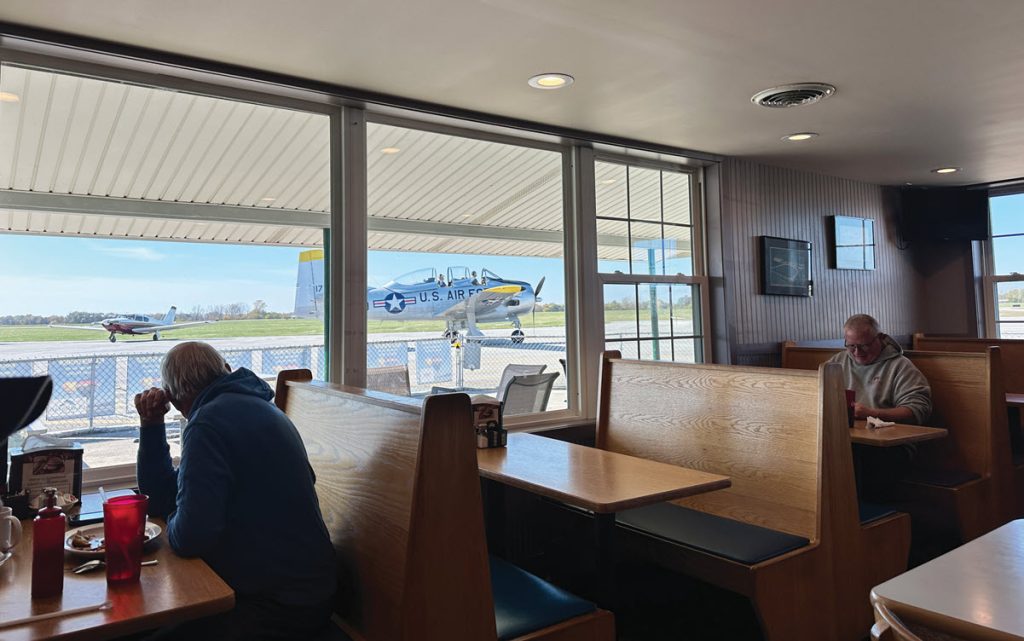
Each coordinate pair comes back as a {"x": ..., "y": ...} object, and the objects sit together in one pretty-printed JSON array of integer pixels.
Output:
[{"x": 944, "y": 214}]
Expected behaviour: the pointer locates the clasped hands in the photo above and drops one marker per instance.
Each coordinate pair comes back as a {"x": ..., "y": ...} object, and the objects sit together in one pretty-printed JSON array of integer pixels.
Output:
[{"x": 152, "y": 405}]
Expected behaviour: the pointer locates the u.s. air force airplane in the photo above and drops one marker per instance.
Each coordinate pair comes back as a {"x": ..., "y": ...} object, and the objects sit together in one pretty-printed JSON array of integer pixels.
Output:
[
  {"x": 459, "y": 297},
  {"x": 135, "y": 324}
]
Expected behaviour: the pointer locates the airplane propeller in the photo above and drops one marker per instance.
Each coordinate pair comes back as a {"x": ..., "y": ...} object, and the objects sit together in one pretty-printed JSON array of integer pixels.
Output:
[{"x": 536, "y": 299}]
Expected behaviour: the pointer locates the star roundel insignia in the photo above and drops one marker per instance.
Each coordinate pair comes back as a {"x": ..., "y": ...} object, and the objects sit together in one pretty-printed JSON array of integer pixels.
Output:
[{"x": 394, "y": 303}]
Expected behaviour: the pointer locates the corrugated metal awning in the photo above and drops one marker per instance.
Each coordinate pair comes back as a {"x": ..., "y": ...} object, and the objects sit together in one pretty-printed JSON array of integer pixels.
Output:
[{"x": 82, "y": 156}]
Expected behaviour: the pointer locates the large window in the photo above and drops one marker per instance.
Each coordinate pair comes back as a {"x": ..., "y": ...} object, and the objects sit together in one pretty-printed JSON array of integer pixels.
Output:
[
  {"x": 465, "y": 281},
  {"x": 133, "y": 218},
  {"x": 649, "y": 261},
  {"x": 1005, "y": 280}
]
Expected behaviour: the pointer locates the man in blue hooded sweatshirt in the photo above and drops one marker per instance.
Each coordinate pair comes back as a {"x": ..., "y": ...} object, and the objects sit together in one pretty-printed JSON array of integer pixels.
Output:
[{"x": 242, "y": 498}]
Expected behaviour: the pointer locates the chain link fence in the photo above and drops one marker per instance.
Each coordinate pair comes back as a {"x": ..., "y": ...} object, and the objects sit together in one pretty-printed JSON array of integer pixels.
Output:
[{"x": 94, "y": 395}]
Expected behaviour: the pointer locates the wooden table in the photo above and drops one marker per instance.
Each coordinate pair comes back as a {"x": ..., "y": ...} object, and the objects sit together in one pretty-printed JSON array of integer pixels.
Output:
[
  {"x": 1015, "y": 400},
  {"x": 973, "y": 592},
  {"x": 596, "y": 480},
  {"x": 176, "y": 590},
  {"x": 898, "y": 434}
]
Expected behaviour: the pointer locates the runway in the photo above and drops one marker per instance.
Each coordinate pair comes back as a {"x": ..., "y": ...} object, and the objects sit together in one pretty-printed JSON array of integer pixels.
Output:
[{"x": 45, "y": 350}]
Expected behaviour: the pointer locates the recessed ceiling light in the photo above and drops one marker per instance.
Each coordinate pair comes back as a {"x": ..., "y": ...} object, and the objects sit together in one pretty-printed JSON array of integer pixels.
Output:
[
  {"x": 267, "y": 199},
  {"x": 6, "y": 96},
  {"x": 390, "y": 150},
  {"x": 803, "y": 135},
  {"x": 946, "y": 170},
  {"x": 551, "y": 81},
  {"x": 606, "y": 181}
]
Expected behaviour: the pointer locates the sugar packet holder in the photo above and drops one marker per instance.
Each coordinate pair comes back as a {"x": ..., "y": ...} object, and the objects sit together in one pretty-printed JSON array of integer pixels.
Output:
[{"x": 487, "y": 422}]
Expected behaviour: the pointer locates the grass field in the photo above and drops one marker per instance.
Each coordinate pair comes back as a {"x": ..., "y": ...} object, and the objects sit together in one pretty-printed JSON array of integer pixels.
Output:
[{"x": 286, "y": 327}]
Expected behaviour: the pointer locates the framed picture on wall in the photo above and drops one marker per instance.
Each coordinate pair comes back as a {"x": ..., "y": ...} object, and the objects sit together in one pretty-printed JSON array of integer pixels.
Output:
[
  {"x": 785, "y": 267},
  {"x": 854, "y": 242}
]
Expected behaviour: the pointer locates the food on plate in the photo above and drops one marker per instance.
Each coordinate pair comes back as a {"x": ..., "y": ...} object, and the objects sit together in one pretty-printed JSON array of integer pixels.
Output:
[{"x": 87, "y": 542}]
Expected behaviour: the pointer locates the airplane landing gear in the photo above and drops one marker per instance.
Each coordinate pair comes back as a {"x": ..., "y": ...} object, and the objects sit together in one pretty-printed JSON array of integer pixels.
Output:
[
  {"x": 518, "y": 336},
  {"x": 451, "y": 335},
  {"x": 113, "y": 338},
  {"x": 156, "y": 336}
]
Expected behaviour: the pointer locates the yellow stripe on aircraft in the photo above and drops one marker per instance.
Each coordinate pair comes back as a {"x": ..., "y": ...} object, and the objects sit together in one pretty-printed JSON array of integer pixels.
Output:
[
  {"x": 310, "y": 255},
  {"x": 504, "y": 289}
]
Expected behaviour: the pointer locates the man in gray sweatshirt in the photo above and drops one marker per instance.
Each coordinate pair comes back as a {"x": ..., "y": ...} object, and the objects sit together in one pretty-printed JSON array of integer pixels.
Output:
[
  {"x": 886, "y": 383},
  {"x": 888, "y": 386}
]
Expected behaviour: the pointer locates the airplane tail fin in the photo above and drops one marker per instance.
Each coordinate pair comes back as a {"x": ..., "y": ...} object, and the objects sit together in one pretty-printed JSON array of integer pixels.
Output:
[
  {"x": 309, "y": 285},
  {"x": 169, "y": 316}
]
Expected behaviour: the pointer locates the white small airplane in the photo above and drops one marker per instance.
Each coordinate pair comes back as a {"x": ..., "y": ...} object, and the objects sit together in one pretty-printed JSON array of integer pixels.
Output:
[
  {"x": 136, "y": 324},
  {"x": 459, "y": 297}
]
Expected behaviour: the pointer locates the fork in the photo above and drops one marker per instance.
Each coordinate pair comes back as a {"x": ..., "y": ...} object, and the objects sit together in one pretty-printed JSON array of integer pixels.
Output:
[{"x": 95, "y": 564}]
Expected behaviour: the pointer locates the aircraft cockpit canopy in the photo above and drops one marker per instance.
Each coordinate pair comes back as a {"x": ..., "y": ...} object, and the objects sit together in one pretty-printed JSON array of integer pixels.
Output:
[
  {"x": 411, "y": 279},
  {"x": 458, "y": 273}
]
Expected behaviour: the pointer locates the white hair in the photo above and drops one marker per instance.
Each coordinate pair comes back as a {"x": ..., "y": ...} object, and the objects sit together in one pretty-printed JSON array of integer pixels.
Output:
[
  {"x": 188, "y": 368},
  {"x": 862, "y": 321}
]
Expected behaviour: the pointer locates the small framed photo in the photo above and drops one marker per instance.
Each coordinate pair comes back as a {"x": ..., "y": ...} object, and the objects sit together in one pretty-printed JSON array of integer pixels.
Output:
[
  {"x": 854, "y": 242},
  {"x": 785, "y": 267}
]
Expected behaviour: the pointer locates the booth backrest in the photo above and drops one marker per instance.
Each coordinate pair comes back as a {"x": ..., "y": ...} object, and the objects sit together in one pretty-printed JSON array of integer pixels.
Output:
[
  {"x": 761, "y": 427},
  {"x": 400, "y": 495},
  {"x": 967, "y": 398},
  {"x": 797, "y": 357},
  {"x": 1012, "y": 352}
]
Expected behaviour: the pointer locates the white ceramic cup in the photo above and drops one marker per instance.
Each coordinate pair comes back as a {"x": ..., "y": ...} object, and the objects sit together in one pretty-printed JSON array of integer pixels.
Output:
[{"x": 10, "y": 530}]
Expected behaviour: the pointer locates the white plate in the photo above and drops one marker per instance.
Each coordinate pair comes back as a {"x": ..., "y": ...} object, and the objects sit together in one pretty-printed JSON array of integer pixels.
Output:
[{"x": 96, "y": 531}]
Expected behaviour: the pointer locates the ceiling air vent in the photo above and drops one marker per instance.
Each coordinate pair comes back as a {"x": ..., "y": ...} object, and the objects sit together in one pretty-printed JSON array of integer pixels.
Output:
[{"x": 804, "y": 93}]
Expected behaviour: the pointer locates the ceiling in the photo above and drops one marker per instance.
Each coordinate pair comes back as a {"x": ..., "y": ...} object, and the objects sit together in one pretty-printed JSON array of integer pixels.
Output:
[{"x": 921, "y": 83}]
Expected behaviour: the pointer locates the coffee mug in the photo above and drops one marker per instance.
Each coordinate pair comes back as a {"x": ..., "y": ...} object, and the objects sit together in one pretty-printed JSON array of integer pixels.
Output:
[{"x": 10, "y": 529}]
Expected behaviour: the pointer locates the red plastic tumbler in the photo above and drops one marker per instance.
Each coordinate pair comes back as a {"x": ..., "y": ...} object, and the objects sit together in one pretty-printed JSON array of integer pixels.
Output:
[
  {"x": 124, "y": 526},
  {"x": 851, "y": 399}
]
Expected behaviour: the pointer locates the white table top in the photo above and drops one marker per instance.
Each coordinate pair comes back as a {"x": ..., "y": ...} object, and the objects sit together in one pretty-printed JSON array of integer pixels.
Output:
[{"x": 975, "y": 591}]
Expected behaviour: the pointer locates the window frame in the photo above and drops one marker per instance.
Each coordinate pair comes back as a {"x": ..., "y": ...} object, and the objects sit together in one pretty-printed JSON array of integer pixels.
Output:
[
  {"x": 570, "y": 268},
  {"x": 123, "y": 475},
  {"x": 990, "y": 280},
  {"x": 697, "y": 241},
  {"x": 345, "y": 239}
]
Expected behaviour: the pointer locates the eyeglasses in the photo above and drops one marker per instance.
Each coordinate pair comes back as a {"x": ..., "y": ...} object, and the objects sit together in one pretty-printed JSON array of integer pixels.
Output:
[{"x": 860, "y": 347}]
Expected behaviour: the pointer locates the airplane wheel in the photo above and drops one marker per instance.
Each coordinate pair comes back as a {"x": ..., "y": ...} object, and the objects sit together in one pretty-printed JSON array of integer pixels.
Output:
[
  {"x": 155, "y": 337},
  {"x": 113, "y": 338},
  {"x": 450, "y": 335},
  {"x": 518, "y": 336}
]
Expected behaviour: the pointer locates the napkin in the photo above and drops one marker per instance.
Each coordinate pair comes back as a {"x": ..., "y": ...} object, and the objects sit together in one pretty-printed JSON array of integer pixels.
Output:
[{"x": 874, "y": 422}]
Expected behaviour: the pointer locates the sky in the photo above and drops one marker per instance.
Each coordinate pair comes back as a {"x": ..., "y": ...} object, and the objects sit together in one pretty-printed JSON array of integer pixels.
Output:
[
  {"x": 48, "y": 275},
  {"x": 1007, "y": 214}
]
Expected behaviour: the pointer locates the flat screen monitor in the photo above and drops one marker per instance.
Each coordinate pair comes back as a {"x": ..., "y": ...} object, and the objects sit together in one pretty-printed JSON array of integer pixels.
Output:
[{"x": 944, "y": 214}]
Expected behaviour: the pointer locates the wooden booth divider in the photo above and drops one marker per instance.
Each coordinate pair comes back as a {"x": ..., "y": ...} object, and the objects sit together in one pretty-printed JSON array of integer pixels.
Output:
[
  {"x": 1013, "y": 381},
  {"x": 400, "y": 495},
  {"x": 781, "y": 436},
  {"x": 1011, "y": 349}
]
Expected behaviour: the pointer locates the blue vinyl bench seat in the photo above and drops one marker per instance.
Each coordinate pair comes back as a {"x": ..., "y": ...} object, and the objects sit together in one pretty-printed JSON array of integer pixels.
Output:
[
  {"x": 734, "y": 540},
  {"x": 524, "y": 603},
  {"x": 869, "y": 512}
]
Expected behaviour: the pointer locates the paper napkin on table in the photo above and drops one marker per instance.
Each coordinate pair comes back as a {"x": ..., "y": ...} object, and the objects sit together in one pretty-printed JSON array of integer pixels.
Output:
[{"x": 874, "y": 422}]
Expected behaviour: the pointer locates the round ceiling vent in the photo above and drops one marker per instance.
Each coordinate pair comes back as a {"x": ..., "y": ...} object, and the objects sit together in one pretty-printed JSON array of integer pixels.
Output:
[{"x": 804, "y": 93}]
